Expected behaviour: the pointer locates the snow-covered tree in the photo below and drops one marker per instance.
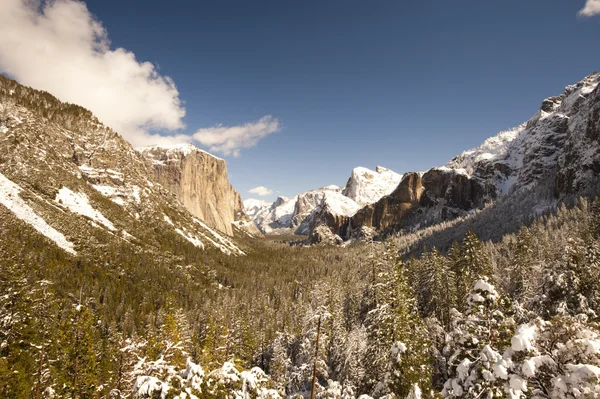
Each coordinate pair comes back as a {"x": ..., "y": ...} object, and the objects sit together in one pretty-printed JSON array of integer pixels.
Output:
[{"x": 476, "y": 368}]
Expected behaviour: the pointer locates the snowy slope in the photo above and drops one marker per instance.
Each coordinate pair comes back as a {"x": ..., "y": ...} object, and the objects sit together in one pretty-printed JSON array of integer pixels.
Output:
[
  {"x": 183, "y": 148},
  {"x": 254, "y": 206},
  {"x": 81, "y": 185},
  {"x": 10, "y": 198},
  {"x": 519, "y": 157},
  {"x": 295, "y": 214}
]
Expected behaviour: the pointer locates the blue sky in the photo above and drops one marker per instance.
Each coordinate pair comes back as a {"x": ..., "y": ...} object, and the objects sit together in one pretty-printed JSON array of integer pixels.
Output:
[{"x": 402, "y": 84}]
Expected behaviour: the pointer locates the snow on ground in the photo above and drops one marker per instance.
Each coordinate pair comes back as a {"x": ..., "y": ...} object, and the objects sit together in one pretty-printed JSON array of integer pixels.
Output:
[
  {"x": 128, "y": 236},
  {"x": 224, "y": 244},
  {"x": 254, "y": 206},
  {"x": 494, "y": 148},
  {"x": 460, "y": 171},
  {"x": 120, "y": 194},
  {"x": 94, "y": 173},
  {"x": 168, "y": 220},
  {"x": 194, "y": 240},
  {"x": 9, "y": 197},
  {"x": 79, "y": 203}
]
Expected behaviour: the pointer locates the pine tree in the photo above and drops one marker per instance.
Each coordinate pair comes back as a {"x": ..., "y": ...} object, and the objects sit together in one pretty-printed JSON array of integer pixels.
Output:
[
  {"x": 437, "y": 286},
  {"x": 522, "y": 269},
  {"x": 595, "y": 219},
  {"x": 410, "y": 353},
  {"x": 471, "y": 263},
  {"x": 476, "y": 343},
  {"x": 379, "y": 323},
  {"x": 77, "y": 357}
]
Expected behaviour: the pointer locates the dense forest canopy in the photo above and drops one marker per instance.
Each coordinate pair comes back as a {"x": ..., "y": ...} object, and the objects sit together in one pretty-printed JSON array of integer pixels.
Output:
[{"x": 513, "y": 318}]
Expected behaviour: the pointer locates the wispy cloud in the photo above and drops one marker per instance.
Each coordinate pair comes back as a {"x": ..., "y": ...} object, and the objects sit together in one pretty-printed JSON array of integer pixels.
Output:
[
  {"x": 591, "y": 8},
  {"x": 59, "y": 46},
  {"x": 229, "y": 140},
  {"x": 261, "y": 191}
]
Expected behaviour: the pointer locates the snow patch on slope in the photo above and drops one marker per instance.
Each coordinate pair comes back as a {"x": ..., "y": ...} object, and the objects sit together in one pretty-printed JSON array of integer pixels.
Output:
[
  {"x": 93, "y": 173},
  {"x": 223, "y": 244},
  {"x": 9, "y": 197},
  {"x": 339, "y": 204},
  {"x": 194, "y": 240},
  {"x": 79, "y": 203}
]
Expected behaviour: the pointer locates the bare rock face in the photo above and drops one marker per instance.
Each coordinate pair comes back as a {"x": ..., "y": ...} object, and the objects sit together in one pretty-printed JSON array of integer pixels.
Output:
[
  {"x": 458, "y": 190},
  {"x": 199, "y": 180},
  {"x": 579, "y": 165},
  {"x": 389, "y": 210},
  {"x": 557, "y": 150}
]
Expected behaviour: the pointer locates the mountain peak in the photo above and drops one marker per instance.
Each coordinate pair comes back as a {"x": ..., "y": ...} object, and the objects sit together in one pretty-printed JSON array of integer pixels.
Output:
[{"x": 366, "y": 186}]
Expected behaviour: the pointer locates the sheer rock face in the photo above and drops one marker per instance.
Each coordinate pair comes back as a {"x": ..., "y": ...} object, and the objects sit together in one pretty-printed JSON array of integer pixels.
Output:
[
  {"x": 578, "y": 168},
  {"x": 557, "y": 150},
  {"x": 389, "y": 210},
  {"x": 66, "y": 176},
  {"x": 199, "y": 180}
]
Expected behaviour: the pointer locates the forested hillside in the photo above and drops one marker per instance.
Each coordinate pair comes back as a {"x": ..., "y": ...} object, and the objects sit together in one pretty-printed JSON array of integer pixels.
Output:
[{"x": 512, "y": 318}]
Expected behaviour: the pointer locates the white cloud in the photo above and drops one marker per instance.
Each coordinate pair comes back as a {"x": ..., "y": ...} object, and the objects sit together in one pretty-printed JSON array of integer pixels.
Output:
[
  {"x": 58, "y": 46},
  {"x": 261, "y": 191},
  {"x": 229, "y": 140},
  {"x": 591, "y": 8}
]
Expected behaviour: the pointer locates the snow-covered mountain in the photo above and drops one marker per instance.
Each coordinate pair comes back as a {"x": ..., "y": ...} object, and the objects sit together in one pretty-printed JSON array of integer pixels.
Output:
[
  {"x": 74, "y": 181},
  {"x": 366, "y": 186},
  {"x": 255, "y": 206},
  {"x": 556, "y": 151},
  {"x": 518, "y": 157},
  {"x": 295, "y": 215}
]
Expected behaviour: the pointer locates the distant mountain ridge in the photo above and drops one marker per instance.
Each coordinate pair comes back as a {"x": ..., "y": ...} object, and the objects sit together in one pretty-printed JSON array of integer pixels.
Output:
[
  {"x": 296, "y": 215},
  {"x": 558, "y": 147}
]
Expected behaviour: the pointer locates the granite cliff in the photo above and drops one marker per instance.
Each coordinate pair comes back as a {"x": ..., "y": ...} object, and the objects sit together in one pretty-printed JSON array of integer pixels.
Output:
[{"x": 199, "y": 180}]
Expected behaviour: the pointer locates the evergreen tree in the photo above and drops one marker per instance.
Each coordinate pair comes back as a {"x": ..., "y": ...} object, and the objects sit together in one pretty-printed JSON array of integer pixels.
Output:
[
  {"x": 522, "y": 268},
  {"x": 77, "y": 365},
  {"x": 471, "y": 263},
  {"x": 410, "y": 353},
  {"x": 595, "y": 219},
  {"x": 476, "y": 343},
  {"x": 437, "y": 286}
]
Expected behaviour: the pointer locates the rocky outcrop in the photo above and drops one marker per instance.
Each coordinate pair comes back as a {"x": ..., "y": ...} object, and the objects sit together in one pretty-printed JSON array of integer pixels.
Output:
[
  {"x": 457, "y": 190},
  {"x": 389, "y": 210},
  {"x": 296, "y": 215},
  {"x": 321, "y": 234},
  {"x": 85, "y": 188},
  {"x": 578, "y": 169},
  {"x": 449, "y": 191},
  {"x": 557, "y": 150},
  {"x": 199, "y": 180}
]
